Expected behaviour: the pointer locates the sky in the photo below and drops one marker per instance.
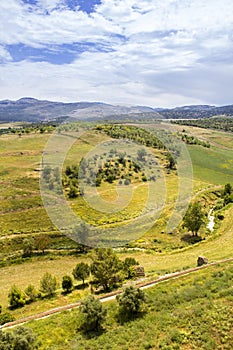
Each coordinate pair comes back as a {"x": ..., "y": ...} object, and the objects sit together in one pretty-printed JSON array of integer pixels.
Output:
[{"x": 159, "y": 53}]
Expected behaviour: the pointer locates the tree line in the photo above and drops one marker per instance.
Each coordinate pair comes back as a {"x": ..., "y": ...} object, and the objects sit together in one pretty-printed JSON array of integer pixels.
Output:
[{"x": 106, "y": 269}]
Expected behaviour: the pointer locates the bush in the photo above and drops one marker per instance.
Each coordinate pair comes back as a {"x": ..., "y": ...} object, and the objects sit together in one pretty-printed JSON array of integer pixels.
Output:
[
  {"x": 130, "y": 301},
  {"x": 5, "y": 318},
  {"x": 28, "y": 244},
  {"x": 31, "y": 292},
  {"x": 16, "y": 297},
  {"x": 23, "y": 339},
  {"x": 67, "y": 284},
  {"x": 127, "y": 266},
  {"x": 127, "y": 182},
  {"x": 48, "y": 284},
  {"x": 73, "y": 192},
  {"x": 93, "y": 314}
]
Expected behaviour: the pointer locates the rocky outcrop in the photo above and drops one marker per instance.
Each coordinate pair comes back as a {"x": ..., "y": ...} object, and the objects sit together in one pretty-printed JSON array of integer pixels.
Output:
[{"x": 202, "y": 260}]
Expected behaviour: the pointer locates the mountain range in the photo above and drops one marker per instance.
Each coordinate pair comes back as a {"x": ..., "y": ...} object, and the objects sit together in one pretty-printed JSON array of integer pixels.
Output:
[{"x": 33, "y": 110}]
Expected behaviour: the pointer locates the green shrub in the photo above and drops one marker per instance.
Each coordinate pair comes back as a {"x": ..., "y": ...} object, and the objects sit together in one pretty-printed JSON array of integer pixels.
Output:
[
  {"x": 130, "y": 301},
  {"x": 5, "y": 318},
  {"x": 31, "y": 293},
  {"x": 67, "y": 283},
  {"x": 16, "y": 297},
  {"x": 48, "y": 284},
  {"x": 93, "y": 314}
]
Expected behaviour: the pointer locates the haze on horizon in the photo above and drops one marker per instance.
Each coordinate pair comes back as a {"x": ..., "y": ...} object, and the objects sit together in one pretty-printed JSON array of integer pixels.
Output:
[{"x": 155, "y": 53}]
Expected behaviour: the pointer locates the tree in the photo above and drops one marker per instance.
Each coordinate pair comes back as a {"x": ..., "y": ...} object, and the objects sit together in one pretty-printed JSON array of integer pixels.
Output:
[
  {"x": 141, "y": 154},
  {"x": 227, "y": 189},
  {"x": 171, "y": 161},
  {"x": 48, "y": 284},
  {"x": 73, "y": 192},
  {"x": 23, "y": 339},
  {"x": 93, "y": 314},
  {"x": 81, "y": 271},
  {"x": 194, "y": 218},
  {"x": 28, "y": 244},
  {"x": 6, "y": 340},
  {"x": 127, "y": 266},
  {"x": 130, "y": 301},
  {"x": 42, "y": 242},
  {"x": 16, "y": 297},
  {"x": 106, "y": 267},
  {"x": 31, "y": 292},
  {"x": 67, "y": 283}
]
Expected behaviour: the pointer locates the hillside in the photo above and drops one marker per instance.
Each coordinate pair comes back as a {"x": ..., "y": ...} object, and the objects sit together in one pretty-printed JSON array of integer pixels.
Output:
[
  {"x": 33, "y": 110},
  {"x": 24, "y": 221},
  {"x": 192, "y": 312}
]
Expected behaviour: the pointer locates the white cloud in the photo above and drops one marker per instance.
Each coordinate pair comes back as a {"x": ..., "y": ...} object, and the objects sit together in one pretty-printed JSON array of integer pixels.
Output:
[
  {"x": 160, "y": 51},
  {"x": 4, "y": 55}
]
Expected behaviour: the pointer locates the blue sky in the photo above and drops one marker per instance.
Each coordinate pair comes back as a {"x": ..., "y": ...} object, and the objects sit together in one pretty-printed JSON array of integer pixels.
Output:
[{"x": 160, "y": 53}]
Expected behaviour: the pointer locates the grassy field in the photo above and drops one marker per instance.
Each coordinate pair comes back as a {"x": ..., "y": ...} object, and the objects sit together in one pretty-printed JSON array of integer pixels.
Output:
[
  {"x": 154, "y": 263},
  {"x": 212, "y": 165},
  {"x": 22, "y": 213},
  {"x": 192, "y": 312}
]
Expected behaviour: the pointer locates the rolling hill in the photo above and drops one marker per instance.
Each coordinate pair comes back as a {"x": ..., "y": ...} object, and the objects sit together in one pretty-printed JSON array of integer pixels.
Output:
[{"x": 33, "y": 110}]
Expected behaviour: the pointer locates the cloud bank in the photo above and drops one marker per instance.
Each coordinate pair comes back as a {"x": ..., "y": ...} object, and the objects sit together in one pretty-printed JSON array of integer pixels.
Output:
[{"x": 157, "y": 53}]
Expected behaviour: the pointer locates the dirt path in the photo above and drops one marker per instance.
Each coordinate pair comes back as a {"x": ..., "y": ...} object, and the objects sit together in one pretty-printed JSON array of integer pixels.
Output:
[{"x": 112, "y": 296}]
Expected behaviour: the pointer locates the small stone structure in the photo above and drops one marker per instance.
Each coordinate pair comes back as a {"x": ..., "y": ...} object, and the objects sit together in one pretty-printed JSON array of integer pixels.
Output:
[
  {"x": 139, "y": 271},
  {"x": 202, "y": 260}
]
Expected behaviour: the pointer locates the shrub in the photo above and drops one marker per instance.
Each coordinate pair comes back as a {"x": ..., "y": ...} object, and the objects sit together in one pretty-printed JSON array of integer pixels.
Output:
[
  {"x": 127, "y": 266},
  {"x": 16, "y": 297},
  {"x": 93, "y": 314},
  {"x": 28, "y": 244},
  {"x": 127, "y": 182},
  {"x": 67, "y": 283},
  {"x": 23, "y": 339},
  {"x": 48, "y": 284},
  {"x": 5, "y": 318},
  {"x": 31, "y": 292},
  {"x": 130, "y": 301}
]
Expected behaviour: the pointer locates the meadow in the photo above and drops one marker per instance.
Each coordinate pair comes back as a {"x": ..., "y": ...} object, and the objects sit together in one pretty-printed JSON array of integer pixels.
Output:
[
  {"x": 22, "y": 213},
  {"x": 191, "y": 312}
]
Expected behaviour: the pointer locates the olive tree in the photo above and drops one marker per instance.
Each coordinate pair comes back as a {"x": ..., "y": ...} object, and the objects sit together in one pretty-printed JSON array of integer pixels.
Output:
[
  {"x": 93, "y": 314},
  {"x": 81, "y": 271},
  {"x": 131, "y": 301}
]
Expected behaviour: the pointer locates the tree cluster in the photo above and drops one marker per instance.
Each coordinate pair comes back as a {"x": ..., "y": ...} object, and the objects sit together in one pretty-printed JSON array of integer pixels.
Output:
[
  {"x": 18, "y": 298},
  {"x": 20, "y": 339},
  {"x": 227, "y": 194},
  {"x": 107, "y": 271},
  {"x": 51, "y": 177},
  {"x": 192, "y": 140},
  {"x": 93, "y": 315},
  {"x": 139, "y": 135},
  {"x": 40, "y": 242}
]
